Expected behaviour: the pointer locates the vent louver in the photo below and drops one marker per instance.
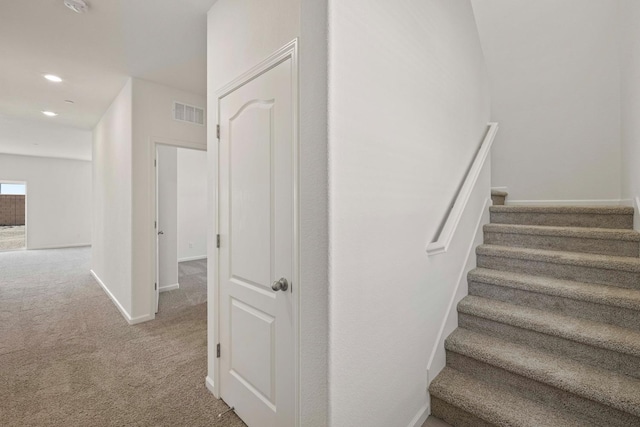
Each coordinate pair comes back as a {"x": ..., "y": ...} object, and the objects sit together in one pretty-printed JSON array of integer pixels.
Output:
[{"x": 188, "y": 113}]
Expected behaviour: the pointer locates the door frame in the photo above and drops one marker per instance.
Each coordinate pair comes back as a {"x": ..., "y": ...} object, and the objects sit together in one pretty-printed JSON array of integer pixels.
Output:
[
  {"x": 26, "y": 217},
  {"x": 288, "y": 51},
  {"x": 154, "y": 141}
]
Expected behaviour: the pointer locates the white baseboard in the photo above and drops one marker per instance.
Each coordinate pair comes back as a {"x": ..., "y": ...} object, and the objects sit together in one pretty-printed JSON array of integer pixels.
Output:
[
  {"x": 210, "y": 385},
  {"x": 421, "y": 416},
  {"x": 435, "y": 363},
  {"x": 75, "y": 245},
  {"x": 607, "y": 202},
  {"x": 130, "y": 320},
  {"x": 192, "y": 258},
  {"x": 169, "y": 287}
]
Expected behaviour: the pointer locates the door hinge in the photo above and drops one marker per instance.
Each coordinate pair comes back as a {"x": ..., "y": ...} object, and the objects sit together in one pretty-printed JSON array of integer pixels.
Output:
[
  {"x": 155, "y": 163},
  {"x": 217, "y": 241},
  {"x": 155, "y": 286},
  {"x": 155, "y": 224},
  {"x": 218, "y": 131},
  {"x": 218, "y": 350}
]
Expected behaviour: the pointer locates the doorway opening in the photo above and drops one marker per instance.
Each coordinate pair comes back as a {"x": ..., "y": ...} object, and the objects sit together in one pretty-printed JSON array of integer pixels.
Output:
[
  {"x": 181, "y": 225},
  {"x": 13, "y": 215}
]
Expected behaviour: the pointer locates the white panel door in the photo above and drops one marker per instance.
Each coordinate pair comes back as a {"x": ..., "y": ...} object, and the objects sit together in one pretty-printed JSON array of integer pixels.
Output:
[{"x": 256, "y": 223}]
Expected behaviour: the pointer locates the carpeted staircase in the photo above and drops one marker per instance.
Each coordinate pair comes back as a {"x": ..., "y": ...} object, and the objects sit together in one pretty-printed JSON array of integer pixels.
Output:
[{"x": 549, "y": 334}]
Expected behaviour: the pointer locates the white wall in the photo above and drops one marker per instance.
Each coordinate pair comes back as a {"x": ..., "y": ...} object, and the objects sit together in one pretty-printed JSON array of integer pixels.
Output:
[
  {"x": 111, "y": 235},
  {"x": 242, "y": 33},
  {"x": 58, "y": 199},
  {"x": 555, "y": 89},
  {"x": 192, "y": 204},
  {"x": 630, "y": 72},
  {"x": 167, "y": 216},
  {"x": 152, "y": 121},
  {"x": 408, "y": 108}
]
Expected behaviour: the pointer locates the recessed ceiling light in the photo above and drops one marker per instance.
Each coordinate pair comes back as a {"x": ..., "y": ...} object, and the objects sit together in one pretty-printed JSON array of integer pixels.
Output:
[
  {"x": 49, "y": 113},
  {"x": 52, "y": 78},
  {"x": 78, "y": 6}
]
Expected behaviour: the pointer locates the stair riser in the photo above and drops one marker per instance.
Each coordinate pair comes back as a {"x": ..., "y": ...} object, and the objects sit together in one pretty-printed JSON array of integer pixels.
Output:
[
  {"x": 624, "y": 279},
  {"x": 582, "y": 309},
  {"x": 613, "y": 247},
  {"x": 564, "y": 220},
  {"x": 497, "y": 200},
  {"x": 595, "y": 356},
  {"x": 595, "y": 412},
  {"x": 454, "y": 415}
]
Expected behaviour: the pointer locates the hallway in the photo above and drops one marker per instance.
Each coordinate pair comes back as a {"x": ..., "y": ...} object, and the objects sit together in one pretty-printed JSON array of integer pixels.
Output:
[{"x": 67, "y": 357}]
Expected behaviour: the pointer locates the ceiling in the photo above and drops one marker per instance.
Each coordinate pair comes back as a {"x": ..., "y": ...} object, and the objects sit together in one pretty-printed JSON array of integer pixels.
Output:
[{"x": 159, "y": 40}]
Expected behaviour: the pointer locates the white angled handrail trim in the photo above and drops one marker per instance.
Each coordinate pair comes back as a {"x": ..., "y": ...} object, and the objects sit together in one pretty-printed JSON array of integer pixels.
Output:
[{"x": 444, "y": 239}]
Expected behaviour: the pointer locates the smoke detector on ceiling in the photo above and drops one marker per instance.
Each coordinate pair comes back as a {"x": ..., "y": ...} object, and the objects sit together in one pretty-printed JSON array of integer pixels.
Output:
[{"x": 78, "y": 6}]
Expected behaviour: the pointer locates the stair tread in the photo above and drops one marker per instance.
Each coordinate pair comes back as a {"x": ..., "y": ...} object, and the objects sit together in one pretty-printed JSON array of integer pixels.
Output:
[
  {"x": 601, "y": 210},
  {"x": 594, "y": 293},
  {"x": 495, "y": 405},
  {"x": 609, "y": 262},
  {"x": 577, "y": 232},
  {"x": 596, "y": 334},
  {"x": 612, "y": 389}
]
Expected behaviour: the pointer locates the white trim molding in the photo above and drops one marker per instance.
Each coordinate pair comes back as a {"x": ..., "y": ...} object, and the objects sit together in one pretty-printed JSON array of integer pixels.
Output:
[
  {"x": 74, "y": 245},
  {"x": 455, "y": 298},
  {"x": 422, "y": 415},
  {"x": 441, "y": 245},
  {"x": 192, "y": 258},
  {"x": 597, "y": 202},
  {"x": 130, "y": 320},
  {"x": 169, "y": 287},
  {"x": 208, "y": 382}
]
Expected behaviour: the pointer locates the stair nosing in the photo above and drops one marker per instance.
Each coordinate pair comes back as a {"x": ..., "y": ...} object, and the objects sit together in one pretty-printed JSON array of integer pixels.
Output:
[
  {"x": 560, "y": 231},
  {"x": 473, "y": 400},
  {"x": 628, "y": 264},
  {"x": 580, "y": 291},
  {"x": 593, "y": 210},
  {"x": 553, "y": 324},
  {"x": 492, "y": 351}
]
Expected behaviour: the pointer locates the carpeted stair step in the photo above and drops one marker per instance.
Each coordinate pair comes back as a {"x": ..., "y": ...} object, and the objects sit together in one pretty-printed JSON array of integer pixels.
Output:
[
  {"x": 576, "y": 239},
  {"x": 620, "y": 217},
  {"x": 598, "y": 344},
  {"x": 600, "y": 303},
  {"x": 498, "y": 197},
  {"x": 464, "y": 401},
  {"x": 589, "y": 268},
  {"x": 598, "y": 395}
]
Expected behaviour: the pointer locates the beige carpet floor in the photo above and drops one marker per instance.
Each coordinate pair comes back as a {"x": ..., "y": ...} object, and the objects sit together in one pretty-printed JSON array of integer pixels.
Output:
[
  {"x": 12, "y": 237},
  {"x": 68, "y": 358}
]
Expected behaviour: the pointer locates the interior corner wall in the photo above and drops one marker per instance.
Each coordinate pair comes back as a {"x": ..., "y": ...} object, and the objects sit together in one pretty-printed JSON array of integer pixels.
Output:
[
  {"x": 241, "y": 34},
  {"x": 58, "y": 199},
  {"x": 555, "y": 90},
  {"x": 111, "y": 179},
  {"x": 152, "y": 118},
  {"x": 408, "y": 109},
  {"x": 192, "y": 204},
  {"x": 629, "y": 15}
]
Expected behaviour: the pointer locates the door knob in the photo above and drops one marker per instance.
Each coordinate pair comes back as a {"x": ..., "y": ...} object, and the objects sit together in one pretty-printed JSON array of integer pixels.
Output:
[
  {"x": 280, "y": 285},
  {"x": 160, "y": 232}
]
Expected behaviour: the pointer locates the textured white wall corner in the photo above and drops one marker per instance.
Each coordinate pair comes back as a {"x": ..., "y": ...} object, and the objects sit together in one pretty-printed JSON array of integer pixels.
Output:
[
  {"x": 111, "y": 181},
  {"x": 400, "y": 141},
  {"x": 629, "y": 15},
  {"x": 58, "y": 211},
  {"x": 556, "y": 95}
]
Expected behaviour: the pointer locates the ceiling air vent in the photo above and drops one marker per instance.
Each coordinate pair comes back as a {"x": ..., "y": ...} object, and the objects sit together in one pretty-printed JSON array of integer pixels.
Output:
[{"x": 188, "y": 113}]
